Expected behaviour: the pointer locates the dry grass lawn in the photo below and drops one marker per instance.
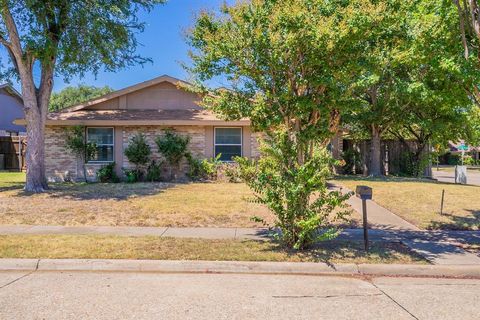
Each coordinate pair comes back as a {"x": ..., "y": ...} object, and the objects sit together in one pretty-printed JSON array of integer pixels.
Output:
[
  {"x": 213, "y": 204},
  {"x": 139, "y": 204},
  {"x": 111, "y": 247},
  {"x": 419, "y": 201}
]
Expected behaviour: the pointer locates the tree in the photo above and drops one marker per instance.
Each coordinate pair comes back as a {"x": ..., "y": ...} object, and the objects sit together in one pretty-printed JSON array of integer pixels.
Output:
[
  {"x": 174, "y": 148},
  {"x": 383, "y": 77},
  {"x": 70, "y": 96},
  {"x": 138, "y": 152},
  {"x": 288, "y": 65},
  {"x": 60, "y": 37}
]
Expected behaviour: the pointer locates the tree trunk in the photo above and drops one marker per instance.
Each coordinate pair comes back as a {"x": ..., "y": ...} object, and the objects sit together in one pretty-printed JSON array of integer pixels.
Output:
[
  {"x": 375, "y": 169},
  {"x": 35, "y": 156}
]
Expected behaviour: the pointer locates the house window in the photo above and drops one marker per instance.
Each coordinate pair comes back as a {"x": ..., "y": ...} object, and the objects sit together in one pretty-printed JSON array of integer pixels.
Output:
[
  {"x": 103, "y": 139},
  {"x": 228, "y": 143}
]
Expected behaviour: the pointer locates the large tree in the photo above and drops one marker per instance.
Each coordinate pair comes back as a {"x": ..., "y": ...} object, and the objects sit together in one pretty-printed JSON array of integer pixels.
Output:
[
  {"x": 61, "y": 37},
  {"x": 70, "y": 96},
  {"x": 287, "y": 64}
]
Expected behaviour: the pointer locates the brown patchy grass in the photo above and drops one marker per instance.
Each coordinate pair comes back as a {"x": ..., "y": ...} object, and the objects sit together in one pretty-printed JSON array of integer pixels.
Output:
[
  {"x": 215, "y": 204},
  {"x": 139, "y": 204},
  {"x": 418, "y": 201},
  {"x": 113, "y": 247}
]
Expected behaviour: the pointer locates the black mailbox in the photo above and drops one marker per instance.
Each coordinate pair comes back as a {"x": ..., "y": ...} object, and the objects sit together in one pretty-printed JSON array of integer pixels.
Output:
[{"x": 364, "y": 192}]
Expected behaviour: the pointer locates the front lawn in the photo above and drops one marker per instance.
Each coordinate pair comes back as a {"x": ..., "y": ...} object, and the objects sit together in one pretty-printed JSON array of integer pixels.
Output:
[
  {"x": 11, "y": 180},
  {"x": 418, "y": 201},
  {"x": 139, "y": 204},
  {"x": 112, "y": 247}
]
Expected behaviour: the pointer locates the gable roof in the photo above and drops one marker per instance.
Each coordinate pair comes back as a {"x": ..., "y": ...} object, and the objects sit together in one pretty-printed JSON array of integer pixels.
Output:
[
  {"x": 127, "y": 90},
  {"x": 11, "y": 90}
]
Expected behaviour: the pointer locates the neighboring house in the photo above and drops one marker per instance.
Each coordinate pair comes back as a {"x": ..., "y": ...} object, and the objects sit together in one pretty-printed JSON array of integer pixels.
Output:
[
  {"x": 149, "y": 107},
  {"x": 11, "y": 108}
]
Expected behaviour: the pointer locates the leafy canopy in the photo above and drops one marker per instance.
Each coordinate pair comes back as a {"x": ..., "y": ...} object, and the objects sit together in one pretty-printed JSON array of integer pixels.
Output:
[{"x": 70, "y": 96}]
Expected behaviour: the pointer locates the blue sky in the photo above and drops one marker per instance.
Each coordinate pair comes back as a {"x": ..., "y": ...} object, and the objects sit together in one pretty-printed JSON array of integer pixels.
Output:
[{"x": 162, "y": 40}]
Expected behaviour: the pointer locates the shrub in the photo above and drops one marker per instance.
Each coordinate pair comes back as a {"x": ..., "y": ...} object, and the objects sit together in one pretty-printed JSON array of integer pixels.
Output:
[
  {"x": 131, "y": 176},
  {"x": 76, "y": 143},
  {"x": 174, "y": 148},
  {"x": 107, "y": 173},
  {"x": 154, "y": 171},
  {"x": 231, "y": 172},
  {"x": 138, "y": 152},
  {"x": 353, "y": 161},
  {"x": 298, "y": 196},
  {"x": 202, "y": 169}
]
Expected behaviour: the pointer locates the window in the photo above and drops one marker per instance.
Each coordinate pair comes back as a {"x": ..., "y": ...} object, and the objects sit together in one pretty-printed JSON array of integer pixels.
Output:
[
  {"x": 103, "y": 138},
  {"x": 228, "y": 142}
]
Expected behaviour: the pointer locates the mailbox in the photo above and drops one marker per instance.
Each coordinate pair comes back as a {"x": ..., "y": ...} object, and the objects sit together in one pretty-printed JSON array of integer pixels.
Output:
[{"x": 364, "y": 192}]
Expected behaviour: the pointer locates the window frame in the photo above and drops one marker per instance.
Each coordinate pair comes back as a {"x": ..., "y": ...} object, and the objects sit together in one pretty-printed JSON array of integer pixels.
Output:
[
  {"x": 103, "y": 144},
  {"x": 227, "y": 144}
]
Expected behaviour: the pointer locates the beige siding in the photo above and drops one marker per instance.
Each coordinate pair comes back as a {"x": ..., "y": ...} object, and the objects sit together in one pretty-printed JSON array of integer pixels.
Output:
[
  {"x": 112, "y": 104},
  {"x": 165, "y": 96}
]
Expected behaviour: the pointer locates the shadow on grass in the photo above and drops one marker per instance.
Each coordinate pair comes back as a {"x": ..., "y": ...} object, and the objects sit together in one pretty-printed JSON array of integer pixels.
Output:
[
  {"x": 458, "y": 223},
  {"x": 104, "y": 191},
  {"x": 330, "y": 252}
]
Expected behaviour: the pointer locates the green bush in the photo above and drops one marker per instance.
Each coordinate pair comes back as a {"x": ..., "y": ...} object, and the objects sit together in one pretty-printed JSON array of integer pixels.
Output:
[
  {"x": 107, "y": 173},
  {"x": 131, "y": 175},
  {"x": 138, "y": 152},
  {"x": 298, "y": 196},
  {"x": 231, "y": 172},
  {"x": 154, "y": 171},
  {"x": 202, "y": 169},
  {"x": 353, "y": 161},
  {"x": 174, "y": 148}
]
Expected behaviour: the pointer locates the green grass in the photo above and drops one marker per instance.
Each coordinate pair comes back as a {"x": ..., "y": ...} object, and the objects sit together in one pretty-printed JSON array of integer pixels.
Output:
[
  {"x": 11, "y": 179},
  {"x": 115, "y": 247},
  {"x": 418, "y": 201}
]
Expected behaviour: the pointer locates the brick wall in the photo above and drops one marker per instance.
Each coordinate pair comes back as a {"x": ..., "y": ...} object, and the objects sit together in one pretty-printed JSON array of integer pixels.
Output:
[{"x": 62, "y": 165}]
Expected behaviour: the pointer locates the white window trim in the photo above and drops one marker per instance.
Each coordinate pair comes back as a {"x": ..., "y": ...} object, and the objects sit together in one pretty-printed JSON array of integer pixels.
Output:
[
  {"x": 103, "y": 144},
  {"x": 227, "y": 144}
]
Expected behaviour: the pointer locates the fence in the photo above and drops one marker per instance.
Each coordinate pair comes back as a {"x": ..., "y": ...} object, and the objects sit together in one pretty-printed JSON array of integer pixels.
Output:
[{"x": 12, "y": 153}]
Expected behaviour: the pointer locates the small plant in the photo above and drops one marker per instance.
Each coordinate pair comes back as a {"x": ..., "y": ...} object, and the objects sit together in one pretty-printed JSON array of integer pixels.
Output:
[
  {"x": 174, "y": 148},
  {"x": 75, "y": 142},
  {"x": 138, "y": 152},
  {"x": 131, "y": 176},
  {"x": 154, "y": 171},
  {"x": 232, "y": 172},
  {"x": 205, "y": 169},
  {"x": 107, "y": 173}
]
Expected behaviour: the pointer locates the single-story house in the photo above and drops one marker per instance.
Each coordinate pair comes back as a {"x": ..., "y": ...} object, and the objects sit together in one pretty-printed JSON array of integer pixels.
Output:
[
  {"x": 11, "y": 108},
  {"x": 149, "y": 107}
]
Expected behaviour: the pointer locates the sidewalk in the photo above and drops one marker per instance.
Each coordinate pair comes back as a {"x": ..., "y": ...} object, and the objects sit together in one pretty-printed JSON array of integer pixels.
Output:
[{"x": 436, "y": 246}]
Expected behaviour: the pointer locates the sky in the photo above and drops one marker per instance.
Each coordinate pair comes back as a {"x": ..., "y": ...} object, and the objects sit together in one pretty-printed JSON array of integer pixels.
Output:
[{"x": 163, "y": 40}]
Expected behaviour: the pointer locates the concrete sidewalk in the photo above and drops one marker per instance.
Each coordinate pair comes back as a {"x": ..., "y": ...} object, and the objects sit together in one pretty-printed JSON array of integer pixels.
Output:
[{"x": 439, "y": 247}]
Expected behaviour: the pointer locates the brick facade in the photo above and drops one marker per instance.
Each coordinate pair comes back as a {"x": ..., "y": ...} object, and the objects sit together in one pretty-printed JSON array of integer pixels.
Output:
[{"x": 62, "y": 165}]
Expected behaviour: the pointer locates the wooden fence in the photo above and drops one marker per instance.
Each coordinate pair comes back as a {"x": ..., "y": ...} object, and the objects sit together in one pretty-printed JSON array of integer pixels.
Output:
[{"x": 12, "y": 153}]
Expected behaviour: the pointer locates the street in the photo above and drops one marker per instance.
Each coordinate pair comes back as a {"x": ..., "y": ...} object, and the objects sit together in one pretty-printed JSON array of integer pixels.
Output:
[
  {"x": 473, "y": 176},
  {"x": 128, "y": 295}
]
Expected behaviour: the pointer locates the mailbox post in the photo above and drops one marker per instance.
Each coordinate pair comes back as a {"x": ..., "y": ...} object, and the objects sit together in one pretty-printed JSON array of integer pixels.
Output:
[{"x": 364, "y": 193}]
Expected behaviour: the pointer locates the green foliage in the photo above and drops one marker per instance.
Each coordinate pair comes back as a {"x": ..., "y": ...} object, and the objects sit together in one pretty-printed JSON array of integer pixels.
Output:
[
  {"x": 232, "y": 172},
  {"x": 203, "y": 169},
  {"x": 131, "y": 176},
  {"x": 298, "y": 195},
  {"x": 76, "y": 143},
  {"x": 289, "y": 65},
  {"x": 107, "y": 173},
  {"x": 154, "y": 171},
  {"x": 138, "y": 152},
  {"x": 173, "y": 147},
  {"x": 70, "y": 96}
]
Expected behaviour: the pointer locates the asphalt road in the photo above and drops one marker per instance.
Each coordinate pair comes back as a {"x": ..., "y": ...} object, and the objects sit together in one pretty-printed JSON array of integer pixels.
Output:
[
  {"x": 473, "y": 176},
  {"x": 95, "y": 295}
]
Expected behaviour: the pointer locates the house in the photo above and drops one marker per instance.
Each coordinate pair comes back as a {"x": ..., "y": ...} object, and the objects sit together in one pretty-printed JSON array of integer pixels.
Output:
[
  {"x": 11, "y": 108},
  {"x": 149, "y": 107}
]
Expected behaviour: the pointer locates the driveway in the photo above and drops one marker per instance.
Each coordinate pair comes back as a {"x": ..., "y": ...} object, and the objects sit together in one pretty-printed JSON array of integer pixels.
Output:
[
  {"x": 473, "y": 176},
  {"x": 128, "y": 295}
]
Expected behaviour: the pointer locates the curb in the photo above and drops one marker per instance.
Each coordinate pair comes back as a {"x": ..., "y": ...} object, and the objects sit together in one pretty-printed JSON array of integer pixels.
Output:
[{"x": 241, "y": 267}]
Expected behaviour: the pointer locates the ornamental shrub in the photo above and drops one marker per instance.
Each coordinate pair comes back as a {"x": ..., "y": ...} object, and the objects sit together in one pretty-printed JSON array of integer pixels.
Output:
[
  {"x": 107, "y": 173},
  {"x": 138, "y": 152},
  {"x": 174, "y": 148}
]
